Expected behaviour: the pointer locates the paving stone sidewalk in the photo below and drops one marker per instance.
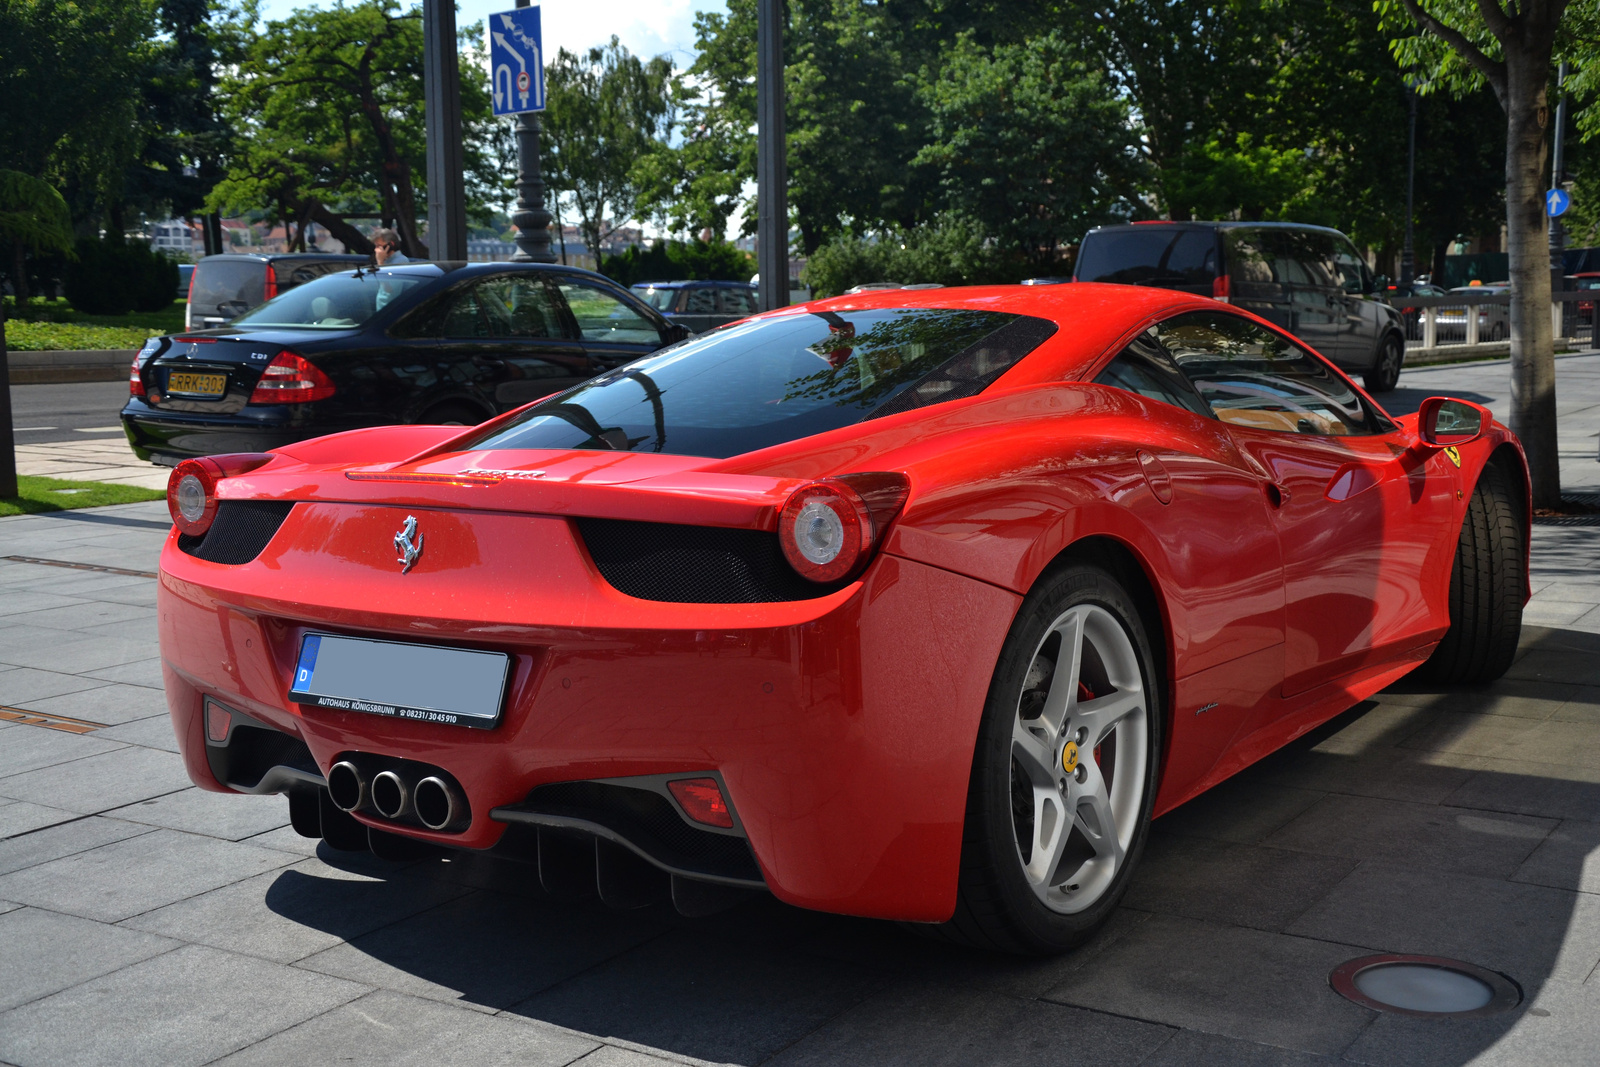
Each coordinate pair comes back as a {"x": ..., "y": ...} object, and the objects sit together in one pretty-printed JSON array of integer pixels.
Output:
[{"x": 143, "y": 921}]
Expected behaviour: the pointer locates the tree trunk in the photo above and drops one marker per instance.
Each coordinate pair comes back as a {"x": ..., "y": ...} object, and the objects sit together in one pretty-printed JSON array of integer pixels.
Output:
[
  {"x": 19, "y": 275},
  {"x": 1533, "y": 367},
  {"x": 8, "y": 443},
  {"x": 340, "y": 230}
]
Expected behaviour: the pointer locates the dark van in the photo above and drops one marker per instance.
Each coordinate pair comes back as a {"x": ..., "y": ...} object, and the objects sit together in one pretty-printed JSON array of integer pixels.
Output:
[
  {"x": 1307, "y": 279},
  {"x": 226, "y": 286}
]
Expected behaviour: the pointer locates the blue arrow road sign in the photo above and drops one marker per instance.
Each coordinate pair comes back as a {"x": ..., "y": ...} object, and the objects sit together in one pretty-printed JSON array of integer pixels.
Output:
[
  {"x": 516, "y": 60},
  {"x": 1556, "y": 202}
]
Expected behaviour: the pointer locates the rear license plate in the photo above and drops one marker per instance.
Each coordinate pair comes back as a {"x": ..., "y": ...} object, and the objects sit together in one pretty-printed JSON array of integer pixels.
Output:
[
  {"x": 427, "y": 683},
  {"x": 192, "y": 384}
]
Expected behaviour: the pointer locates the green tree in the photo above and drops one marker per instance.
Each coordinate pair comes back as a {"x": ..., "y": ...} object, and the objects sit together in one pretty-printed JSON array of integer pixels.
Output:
[
  {"x": 327, "y": 109},
  {"x": 1029, "y": 142},
  {"x": 69, "y": 94},
  {"x": 608, "y": 118},
  {"x": 1463, "y": 45}
]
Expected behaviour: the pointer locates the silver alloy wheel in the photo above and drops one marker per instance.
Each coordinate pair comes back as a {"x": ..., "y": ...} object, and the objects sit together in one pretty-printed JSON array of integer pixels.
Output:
[{"x": 1079, "y": 758}]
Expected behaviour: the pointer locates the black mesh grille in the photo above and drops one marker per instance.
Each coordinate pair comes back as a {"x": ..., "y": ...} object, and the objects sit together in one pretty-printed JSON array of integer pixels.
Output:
[
  {"x": 252, "y": 751},
  {"x": 695, "y": 564},
  {"x": 648, "y": 820},
  {"x": 240, "y": 531}
]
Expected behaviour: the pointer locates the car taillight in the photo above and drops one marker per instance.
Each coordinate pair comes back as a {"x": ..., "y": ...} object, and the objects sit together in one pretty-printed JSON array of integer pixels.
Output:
[
  {"x": 829, "y": 529},
  {"x": 192, "y": 487},
  {"x": 1219, "y": 288},
  {"x": 291, "y": 379},
  {"x": 269, "y": 288},
  {"x": 702, "y": 801},
  {"x": 135, "y": 383}
]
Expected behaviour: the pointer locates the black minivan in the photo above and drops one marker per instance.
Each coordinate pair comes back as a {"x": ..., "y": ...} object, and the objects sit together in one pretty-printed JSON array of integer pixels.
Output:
[{"x": 1308, "y": 280}]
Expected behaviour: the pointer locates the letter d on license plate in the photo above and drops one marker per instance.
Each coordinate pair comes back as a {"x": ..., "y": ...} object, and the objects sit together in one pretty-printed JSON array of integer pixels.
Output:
[{"x": 426, "y": 683}]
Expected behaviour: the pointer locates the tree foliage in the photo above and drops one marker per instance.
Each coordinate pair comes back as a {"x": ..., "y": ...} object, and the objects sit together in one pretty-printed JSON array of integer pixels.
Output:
[
  {"x": 679, "y": 260},
  {"x": 607, "y": 121},
  {"x": 327, "y": 106}
]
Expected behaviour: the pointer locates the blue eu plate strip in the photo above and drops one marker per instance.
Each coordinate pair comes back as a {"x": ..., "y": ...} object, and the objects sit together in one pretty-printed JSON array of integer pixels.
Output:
[{"x": 308, "y": 662}]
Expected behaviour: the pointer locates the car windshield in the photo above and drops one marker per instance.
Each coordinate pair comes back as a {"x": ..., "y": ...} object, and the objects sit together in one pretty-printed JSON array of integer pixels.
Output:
[
  {"x": 333, "y": 302},
  {"x": 767, "y": 381},
  {"x": 658, "y": 298}
]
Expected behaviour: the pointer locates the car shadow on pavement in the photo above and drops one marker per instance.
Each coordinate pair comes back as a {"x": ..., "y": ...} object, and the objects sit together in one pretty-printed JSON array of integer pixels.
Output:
[
  {"x": 1442, "y": 822},
  {"x": 1405, "y": 401}
]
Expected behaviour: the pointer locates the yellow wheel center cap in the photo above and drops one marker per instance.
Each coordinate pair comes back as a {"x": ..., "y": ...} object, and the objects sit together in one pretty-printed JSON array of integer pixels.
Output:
[{"x": 1069, "y": 757}]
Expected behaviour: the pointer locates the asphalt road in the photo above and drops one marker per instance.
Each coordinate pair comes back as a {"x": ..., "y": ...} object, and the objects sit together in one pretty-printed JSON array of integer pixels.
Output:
[{"x": 74, "y": 412}]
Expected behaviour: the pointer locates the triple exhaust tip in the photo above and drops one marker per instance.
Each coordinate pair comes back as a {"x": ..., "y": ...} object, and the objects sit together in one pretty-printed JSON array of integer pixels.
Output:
[{"x": 434, "y": 802}]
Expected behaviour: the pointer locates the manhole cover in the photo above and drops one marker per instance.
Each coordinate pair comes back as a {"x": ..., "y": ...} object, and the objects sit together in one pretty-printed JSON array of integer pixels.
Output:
[{"x": 1426, "y": 986}]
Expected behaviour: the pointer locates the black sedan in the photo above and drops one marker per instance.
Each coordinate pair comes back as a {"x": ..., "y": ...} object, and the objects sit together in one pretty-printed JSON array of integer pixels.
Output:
[{"x": 422, "y": 343}]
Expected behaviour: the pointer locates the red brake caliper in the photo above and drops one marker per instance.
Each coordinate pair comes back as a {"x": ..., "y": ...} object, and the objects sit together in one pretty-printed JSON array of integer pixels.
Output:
[{"x": 1086, "y": 694}]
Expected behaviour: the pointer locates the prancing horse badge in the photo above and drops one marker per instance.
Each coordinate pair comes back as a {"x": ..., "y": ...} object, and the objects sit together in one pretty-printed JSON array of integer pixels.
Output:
[{"x": 410, "y": 550}]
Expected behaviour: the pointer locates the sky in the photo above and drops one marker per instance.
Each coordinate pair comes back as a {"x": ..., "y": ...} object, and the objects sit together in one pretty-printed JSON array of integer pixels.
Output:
[{"x": 645, "y": 27}]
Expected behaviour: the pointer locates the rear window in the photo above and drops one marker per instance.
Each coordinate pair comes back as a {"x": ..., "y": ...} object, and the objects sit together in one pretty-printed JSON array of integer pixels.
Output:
[
  {"x": 1149, "y": 255},
  {"x": 227, "y": 287},
  {"x": 660, "y": 299},
  {"x": 334, "y": 301},
  {"x": 761, "y": 383}
]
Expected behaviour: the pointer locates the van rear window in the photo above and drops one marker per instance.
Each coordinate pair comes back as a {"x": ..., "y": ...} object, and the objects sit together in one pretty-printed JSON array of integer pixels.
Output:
[
  {"x": 227, "y": 287},
  {"x": 1149, "y": 255}
]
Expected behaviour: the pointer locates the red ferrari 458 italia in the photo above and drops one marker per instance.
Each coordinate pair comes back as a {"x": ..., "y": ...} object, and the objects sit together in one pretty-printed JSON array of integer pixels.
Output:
[{"x": 913, "y": 604}]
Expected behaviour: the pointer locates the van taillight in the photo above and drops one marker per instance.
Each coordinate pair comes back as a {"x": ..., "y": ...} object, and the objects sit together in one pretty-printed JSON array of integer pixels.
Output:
[
  {"x": 1219, "y": 288},
  {"x": 188, "y": 301},
  {"x": 270, "y": 286},
  {"x": 291, "y": 379}
]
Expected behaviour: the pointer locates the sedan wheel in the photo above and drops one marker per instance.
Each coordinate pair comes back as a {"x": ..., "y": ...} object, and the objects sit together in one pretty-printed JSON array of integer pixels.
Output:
[
  {"x": 1385, "y": 374},
  {"x": 1064, "y": 773}
]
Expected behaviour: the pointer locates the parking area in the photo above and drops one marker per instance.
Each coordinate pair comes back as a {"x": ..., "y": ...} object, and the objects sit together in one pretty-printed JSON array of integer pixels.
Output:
[{"x": 145, "y": 921}]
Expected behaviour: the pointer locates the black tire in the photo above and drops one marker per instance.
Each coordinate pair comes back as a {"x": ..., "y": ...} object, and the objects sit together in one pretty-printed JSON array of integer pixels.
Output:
[
  {"x": 1498, "y": 332},
  {"x": 1486, "y": 587},
  {"x": 1385, "y": 373},
  {"x": 997, "y": 906},
  {"x": 454, "y": 413}
]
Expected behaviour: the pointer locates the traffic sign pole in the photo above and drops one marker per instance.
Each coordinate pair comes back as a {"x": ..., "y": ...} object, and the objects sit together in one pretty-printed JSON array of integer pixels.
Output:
[
  {"x": 532, "y": 218},
  {"x": 772, "y": 191}
]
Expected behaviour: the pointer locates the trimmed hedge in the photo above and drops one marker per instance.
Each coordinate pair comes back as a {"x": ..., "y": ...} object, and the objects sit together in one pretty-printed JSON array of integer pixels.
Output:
[{"x": 116, "y": 277}]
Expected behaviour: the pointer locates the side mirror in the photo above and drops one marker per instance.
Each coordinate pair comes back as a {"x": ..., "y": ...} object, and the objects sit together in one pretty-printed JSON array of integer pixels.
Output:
[
  {"x": 1443, "y": 422},
  {"x": 675, "y": 332},
  {"x": 1380, "y": 284}
]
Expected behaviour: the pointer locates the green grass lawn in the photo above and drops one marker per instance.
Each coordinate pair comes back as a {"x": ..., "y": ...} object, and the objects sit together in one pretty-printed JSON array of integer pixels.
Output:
[
  {"x": 52, "y": 325},
  {"x": 58, "y": 494}
]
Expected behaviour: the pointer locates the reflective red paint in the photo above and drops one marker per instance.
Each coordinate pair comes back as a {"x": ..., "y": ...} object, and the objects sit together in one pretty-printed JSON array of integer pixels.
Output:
[{"x": 1286, "y": 588}]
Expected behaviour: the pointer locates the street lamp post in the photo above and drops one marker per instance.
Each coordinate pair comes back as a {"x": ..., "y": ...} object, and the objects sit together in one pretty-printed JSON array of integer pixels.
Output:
[
  {"x": 532, "y": 218},
  {"x": 772, "y": 194}
]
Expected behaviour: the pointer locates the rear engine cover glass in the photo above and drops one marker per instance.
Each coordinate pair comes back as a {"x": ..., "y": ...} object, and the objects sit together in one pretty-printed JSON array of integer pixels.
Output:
[{"x": 765, "y": 382}]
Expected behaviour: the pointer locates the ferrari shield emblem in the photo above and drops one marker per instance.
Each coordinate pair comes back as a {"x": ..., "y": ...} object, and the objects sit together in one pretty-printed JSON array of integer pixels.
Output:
[
  {"x": 1455, "y": 455},
  {"x": 409, "y": 544}
]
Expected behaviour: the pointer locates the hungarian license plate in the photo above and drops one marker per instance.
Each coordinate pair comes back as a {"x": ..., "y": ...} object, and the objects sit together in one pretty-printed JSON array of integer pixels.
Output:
[
  {"x": 192, "y": 384},
  {"x": 425, "y": 683}
]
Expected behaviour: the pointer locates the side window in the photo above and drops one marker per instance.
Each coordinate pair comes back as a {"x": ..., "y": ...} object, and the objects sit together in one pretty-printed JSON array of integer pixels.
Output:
[
  {"x": 702, "y": 301},
  {"x": 602, "y": 317},
  {"x": 1146, "y": 369},
  {"x": 500, "y": 307},
  {"x": 1314, "y": 252},
  {"x": 1351, "y": 271},
  {"x": 737, "y": 301},
  {"x": 1248, "y": 259},
  {"x": 1250, "y": 376}
]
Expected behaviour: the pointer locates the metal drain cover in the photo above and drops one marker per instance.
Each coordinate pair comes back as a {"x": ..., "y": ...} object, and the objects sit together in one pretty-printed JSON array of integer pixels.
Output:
[{"x": 1425, "y": 986}]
